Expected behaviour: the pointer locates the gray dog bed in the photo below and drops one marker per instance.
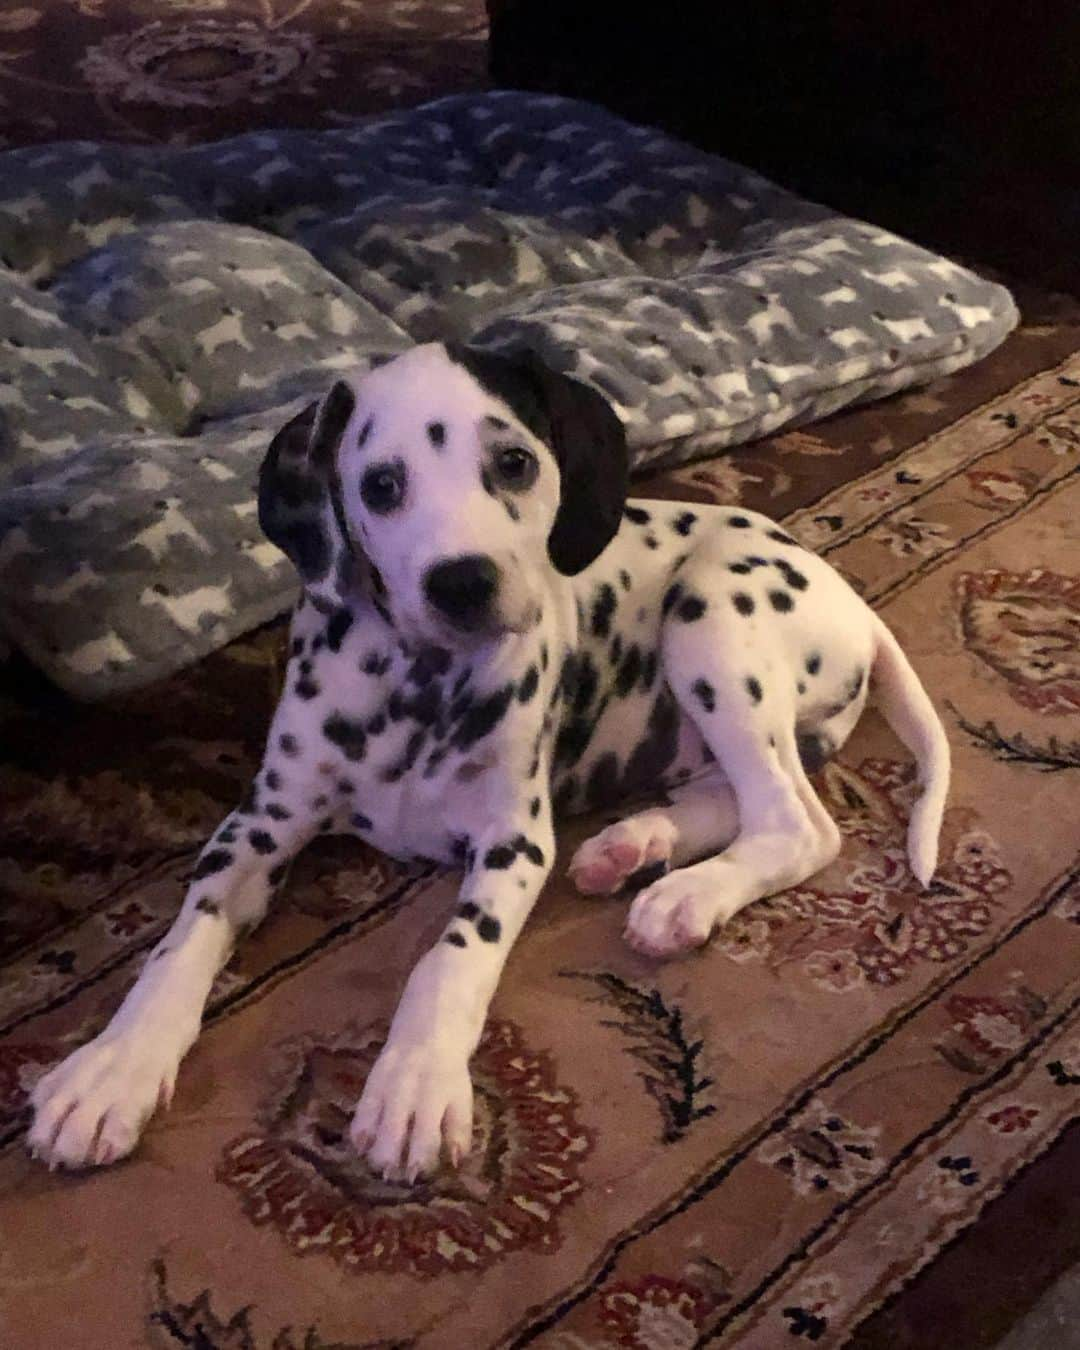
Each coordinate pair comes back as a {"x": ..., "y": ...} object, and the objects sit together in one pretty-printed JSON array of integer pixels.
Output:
[{"x": 165, "y": 311}]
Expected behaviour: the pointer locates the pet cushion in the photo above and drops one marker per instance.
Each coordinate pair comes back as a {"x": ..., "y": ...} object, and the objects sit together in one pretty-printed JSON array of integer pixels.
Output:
[{"x": 164, "y": 311}]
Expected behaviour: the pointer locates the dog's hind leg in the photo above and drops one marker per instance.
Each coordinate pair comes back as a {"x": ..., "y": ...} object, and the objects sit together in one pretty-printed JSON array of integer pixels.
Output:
[
  {"x": 699, "y": 818},
  {"x": 740, "y": 696}
]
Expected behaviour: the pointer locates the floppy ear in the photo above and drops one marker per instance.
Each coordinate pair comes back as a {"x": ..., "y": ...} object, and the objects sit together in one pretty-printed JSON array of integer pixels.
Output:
[
  {"x": 586, "y": 437},
  {"x": 300, "y": 507}
]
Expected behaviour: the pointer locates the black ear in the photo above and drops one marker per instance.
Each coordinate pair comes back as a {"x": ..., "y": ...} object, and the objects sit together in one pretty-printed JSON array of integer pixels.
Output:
[
  {"x": 586, "y": 437},
  {"x": 300, "y": 508}
]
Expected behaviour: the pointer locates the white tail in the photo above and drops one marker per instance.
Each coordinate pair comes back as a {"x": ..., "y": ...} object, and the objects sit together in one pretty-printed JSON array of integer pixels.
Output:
[{"x": 908, "y": 710}]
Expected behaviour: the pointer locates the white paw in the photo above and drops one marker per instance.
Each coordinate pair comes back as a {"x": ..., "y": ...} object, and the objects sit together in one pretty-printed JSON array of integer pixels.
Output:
[
  {"x": 91, "y": 1109},
  {"x": 674, "y": 915},
  {"x": 415, "y": 1101},
  {"x": 604, "y": 863}
]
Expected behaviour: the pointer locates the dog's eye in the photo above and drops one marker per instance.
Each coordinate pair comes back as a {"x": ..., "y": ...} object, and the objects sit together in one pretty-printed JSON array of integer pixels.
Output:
[
  {"x": 382, "y": 487},
  {"x": 516, "y": 467}
]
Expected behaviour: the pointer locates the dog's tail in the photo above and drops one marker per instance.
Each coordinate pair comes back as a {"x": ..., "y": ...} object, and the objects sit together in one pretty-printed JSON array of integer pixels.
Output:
[{"x": 908, "y": 710}]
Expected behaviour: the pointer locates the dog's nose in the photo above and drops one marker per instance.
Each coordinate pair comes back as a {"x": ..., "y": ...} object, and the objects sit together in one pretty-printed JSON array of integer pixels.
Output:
[{"x": 462, "y": 589}]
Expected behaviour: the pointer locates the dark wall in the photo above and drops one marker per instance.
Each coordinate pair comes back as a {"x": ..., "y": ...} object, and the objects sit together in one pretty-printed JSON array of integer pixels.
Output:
[{"x": 919, "y": 113}]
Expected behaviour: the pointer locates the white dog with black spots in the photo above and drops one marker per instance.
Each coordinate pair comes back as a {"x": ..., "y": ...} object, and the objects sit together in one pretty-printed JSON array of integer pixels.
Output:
[{"x": 490, "y": 635}]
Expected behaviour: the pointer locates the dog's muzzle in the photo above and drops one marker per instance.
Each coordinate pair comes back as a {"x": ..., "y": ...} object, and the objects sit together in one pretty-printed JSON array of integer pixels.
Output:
[{"x": 464, "y": 590}]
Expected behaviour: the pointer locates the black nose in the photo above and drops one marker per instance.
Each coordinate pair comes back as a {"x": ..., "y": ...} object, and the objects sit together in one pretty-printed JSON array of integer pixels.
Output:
[{"x": 462, "y": 589}]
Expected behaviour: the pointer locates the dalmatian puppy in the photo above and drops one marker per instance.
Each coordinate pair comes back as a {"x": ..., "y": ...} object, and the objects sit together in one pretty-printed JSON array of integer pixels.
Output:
[{"x": 489, "y": 635}]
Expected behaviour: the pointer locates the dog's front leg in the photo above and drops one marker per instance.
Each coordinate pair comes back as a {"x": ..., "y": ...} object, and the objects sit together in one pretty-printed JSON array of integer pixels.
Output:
[
  {"x": 91, "y": 1108},
  {"x": 419, "y": 1095}
]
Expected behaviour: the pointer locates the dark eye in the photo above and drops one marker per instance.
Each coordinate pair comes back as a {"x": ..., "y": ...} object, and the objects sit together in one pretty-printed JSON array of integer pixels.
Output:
[
  {"x": 382, "y": 487},
  {"x": 515, "y": 466}
]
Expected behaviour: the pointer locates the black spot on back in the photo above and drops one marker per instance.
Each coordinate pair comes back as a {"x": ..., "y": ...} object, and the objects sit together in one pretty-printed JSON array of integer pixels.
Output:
[
  {"x": 753, "y": 688},
  {"x": 261, "y": 841},
  {"x": 781, "y": 602},
  {"x": 813, "y": 663},
  {"x": 684, "y": 523},
  {"x": 743, "y": 602},
  {"x": 289, "y": 745},
  {"x": 436, "y": 434},
  {"x": 791, "y": 575}
]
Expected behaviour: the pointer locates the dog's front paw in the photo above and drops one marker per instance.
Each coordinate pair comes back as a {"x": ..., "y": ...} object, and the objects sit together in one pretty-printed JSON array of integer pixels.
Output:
[
  {"x": 416, "y": 1099},
  {"x": 604, "y": 863},
  {"x": 674, "y": 915},
  {"x": 91, "y": 1109}
]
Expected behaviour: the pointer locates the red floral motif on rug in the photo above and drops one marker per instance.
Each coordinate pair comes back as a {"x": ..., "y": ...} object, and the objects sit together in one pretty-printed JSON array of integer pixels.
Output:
[
  {"x": 867, "y": 919},
  {"x": 1026, "y": 627},
  {"x": 655, "y": 1313},
  {"x": 299, "y": 1171}
]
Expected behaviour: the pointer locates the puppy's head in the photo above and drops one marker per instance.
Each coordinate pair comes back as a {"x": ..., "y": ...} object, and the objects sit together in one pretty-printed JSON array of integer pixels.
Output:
[{"x": 448, "y": 482}]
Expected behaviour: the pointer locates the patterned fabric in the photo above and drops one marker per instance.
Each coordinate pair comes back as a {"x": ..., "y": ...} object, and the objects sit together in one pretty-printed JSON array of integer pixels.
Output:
[
  {"x": 755, "y": 1147},
  {"x": 163, "y": 312}
]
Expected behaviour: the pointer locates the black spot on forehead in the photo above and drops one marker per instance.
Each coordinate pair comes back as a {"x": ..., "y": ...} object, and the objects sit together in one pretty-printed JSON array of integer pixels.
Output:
[
  {"x": 779, "y": 537},
  {"x": 813, "y": 663},
  {"x": 207, "y": 906},
  {"x": 455, "y": 939},
  {"x": 781, "y": 601},
  {"x": 289, "y": 744},
  {"x": 651, "y": 541},
  {"x": 437, "y": 434},
  {"x": 753, "y": 688},
  {"x": 743, "y": 602},
  {"x": 625, "y": 579},
  {"x": 738, "y": 522},
  {"x": 740, "y": 568},
  {"x": 273, "y": 779},
  {"x": 534, "y": 807},
  {"x": 637, "y": 514}
]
